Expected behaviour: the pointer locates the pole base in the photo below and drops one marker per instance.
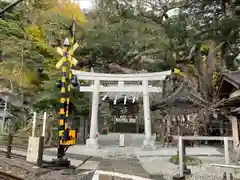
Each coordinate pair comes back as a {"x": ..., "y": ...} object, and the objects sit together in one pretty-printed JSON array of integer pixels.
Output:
[
  {"x": 178, "y": 177},
  {"x": 148, "y": 145},
  {"x": 187, "y": 171},
  {"x": 62, "y": 162},
  {"x": 92, "y": 144}
]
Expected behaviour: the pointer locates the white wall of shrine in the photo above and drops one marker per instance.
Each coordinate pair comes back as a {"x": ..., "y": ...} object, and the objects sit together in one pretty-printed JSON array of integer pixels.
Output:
[{"x": 100, "y": 85}]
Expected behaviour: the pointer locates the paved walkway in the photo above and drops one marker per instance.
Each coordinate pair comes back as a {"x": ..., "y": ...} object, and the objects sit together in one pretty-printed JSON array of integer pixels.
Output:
[
  {"x": 133, "y": 143},
  {"x": 121, "y": 165}
]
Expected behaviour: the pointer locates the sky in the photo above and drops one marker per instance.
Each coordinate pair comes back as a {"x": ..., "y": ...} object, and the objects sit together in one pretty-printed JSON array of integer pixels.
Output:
[
  {"x": 88, "y": 4},
  {"x": 85, "y": 4}
]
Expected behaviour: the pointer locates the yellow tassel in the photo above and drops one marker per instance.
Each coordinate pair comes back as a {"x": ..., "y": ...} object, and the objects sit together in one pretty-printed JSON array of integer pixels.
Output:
[{"x": 176, "y": 71}]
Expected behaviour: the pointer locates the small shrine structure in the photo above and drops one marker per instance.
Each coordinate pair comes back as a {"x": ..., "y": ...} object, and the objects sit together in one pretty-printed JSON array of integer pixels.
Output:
[
  {"x": 228, "y": 104},
  {"x": 179, "y": 105}
]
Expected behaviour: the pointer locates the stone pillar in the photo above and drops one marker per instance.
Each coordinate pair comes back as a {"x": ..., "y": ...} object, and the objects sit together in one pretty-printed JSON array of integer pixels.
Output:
[
  {"x": 235, "y": 134},
  {"x": 92, "y": 142},
  {"x": 147, "y": 121}
]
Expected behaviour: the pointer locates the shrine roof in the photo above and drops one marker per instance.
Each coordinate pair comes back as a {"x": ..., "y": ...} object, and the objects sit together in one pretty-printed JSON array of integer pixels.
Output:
[
  {"x": 229, "y": 82},
  {"x": 184, "y": 98}
]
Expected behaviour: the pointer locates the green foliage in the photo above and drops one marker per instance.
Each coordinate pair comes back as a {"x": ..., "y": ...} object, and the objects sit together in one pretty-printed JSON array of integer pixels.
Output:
[{"x": 124, "y": 34}]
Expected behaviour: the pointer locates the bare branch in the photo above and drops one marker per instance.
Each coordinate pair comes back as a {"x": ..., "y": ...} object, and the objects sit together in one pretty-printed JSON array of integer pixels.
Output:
[
  {"x": 145, "y": 53},
  {"x": 120, "y": 68},
  {"x": 10, "y": 6}
]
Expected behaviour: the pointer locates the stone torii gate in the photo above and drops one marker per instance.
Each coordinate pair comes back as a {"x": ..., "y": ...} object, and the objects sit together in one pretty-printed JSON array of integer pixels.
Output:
[{"x": 144, "y": 86}]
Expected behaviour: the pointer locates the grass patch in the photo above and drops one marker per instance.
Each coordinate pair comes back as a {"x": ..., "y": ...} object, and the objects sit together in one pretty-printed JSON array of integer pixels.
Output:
[{"x": 188, "y": 160}]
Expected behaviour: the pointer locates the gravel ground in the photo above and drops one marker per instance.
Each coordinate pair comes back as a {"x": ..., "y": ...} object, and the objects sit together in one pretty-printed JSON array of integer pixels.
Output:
[
  {"x": 159, "y": 167},
  {"x": 28, "y": 174},
  {"x": 65, "y": 175},
  {"x": 162, "y": 166}
]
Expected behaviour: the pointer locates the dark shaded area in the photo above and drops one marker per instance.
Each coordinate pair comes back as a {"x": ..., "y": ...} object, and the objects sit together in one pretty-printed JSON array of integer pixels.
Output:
[{"x": 229, "y": 82}]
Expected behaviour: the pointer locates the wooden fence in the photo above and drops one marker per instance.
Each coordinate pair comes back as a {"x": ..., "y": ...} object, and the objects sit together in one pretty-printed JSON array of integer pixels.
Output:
[
  {"x": 9, "y": 141},
  {"x": 182, "y": 149}
]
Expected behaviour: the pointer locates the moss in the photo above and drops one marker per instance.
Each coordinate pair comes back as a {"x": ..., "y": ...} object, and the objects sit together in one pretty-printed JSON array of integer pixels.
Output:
[{"x": 188, "y": 160}]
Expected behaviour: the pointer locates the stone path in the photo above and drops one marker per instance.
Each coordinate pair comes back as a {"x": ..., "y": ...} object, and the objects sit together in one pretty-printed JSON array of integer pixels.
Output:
[{"x": 122, "y": 165}]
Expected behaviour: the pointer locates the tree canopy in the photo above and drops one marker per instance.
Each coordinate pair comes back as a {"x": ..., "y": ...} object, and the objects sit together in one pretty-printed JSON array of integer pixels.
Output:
[{"x": 200, "y": 37}]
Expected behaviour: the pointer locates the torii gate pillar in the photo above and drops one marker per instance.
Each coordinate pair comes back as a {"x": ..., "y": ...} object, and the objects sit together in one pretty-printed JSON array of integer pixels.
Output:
[
  {"x": 92, "y": 142},
  {"x": 148, "y": 141}
]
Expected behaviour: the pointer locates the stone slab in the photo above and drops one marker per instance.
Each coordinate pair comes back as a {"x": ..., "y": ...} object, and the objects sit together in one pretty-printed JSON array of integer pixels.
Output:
[
  {"x": 89, "y": 165},
  {"x": 127, "y": 167},
  {"x": 148, "y": 147}
]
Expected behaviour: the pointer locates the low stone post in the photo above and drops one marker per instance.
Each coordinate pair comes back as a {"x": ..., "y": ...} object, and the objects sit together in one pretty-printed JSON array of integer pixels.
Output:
[
  {"x": 181, "y": 160},
  {"x": 226, "y": 155},
  {"x": 36, "y": 144},
  {"x": 34, "y": 124},
  {"x": 186, "y": 171},
  {"x": 235, "y": 132},
  {"x": 44, "y": 123}
]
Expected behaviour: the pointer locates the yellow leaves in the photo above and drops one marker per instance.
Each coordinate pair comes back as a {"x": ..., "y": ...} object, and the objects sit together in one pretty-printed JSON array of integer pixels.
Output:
[
  {"x": 204, "y": 61},
  {"x": 178, "y": 72},
  {"x": 204, "y": 48},
  {"x": 68, "y": 9},
  {"x": 35, "y": 34},
  {"x": 215, "y": 78}
]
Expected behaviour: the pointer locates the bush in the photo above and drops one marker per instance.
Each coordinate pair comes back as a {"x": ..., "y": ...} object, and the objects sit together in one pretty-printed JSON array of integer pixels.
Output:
[{"x": 188, "y": 160}]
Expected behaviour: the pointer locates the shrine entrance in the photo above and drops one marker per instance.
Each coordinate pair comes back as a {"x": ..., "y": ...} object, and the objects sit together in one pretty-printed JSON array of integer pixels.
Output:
[
  {"x": 126, "y": 84},
  {"x": 125, "y": 112}
]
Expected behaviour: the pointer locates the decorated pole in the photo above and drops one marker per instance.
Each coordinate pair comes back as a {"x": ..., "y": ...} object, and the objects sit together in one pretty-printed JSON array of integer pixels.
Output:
[{"x": 66, "y": 135}]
